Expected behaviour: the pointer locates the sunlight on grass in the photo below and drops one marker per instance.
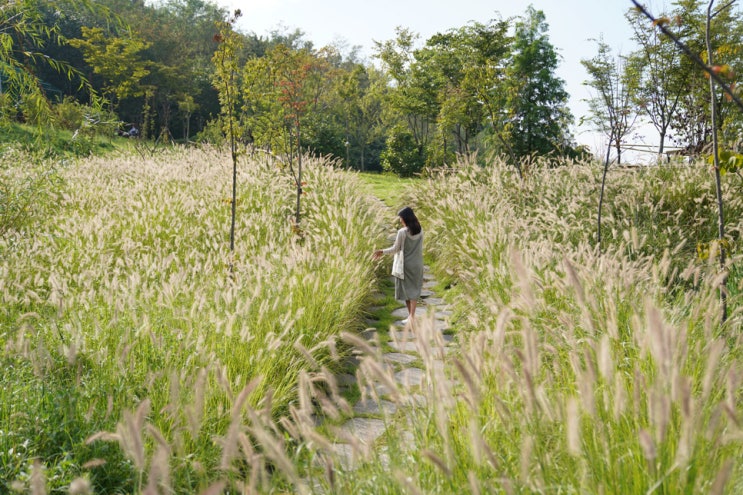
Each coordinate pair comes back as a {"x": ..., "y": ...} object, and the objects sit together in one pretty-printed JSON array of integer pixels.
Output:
[
  {"x": 136, "y": 360},
  {"x": 389, "y": 188}
]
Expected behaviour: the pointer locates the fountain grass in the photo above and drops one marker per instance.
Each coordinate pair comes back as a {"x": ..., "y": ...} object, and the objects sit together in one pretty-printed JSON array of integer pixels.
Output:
[{"x": 190, "y": 369}]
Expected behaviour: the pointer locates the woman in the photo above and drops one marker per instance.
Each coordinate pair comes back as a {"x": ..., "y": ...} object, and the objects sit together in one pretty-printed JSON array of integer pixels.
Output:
[{"x": 409, "y": 239}]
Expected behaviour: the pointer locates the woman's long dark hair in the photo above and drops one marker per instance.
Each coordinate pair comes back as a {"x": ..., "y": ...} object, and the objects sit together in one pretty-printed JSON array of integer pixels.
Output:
[{"x": 411, "y": 221}]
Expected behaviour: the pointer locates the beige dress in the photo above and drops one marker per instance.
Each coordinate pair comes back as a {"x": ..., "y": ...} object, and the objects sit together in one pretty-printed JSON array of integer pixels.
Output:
[{"x": 409, "y": 288}]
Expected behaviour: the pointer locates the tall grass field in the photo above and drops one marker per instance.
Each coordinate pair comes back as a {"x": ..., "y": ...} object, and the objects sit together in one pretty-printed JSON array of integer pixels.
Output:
[
  {"x": 140, "y": 355},
  {"x": 132, "y": 336}
]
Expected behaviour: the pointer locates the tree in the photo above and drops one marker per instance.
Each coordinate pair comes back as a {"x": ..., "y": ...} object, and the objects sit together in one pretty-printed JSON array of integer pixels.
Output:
[
  {"x": 399, "y": 155},
  {"x": 226, "y": 80},
  {"x": 536, "y": 97},
  {"x": 301, "y": 82},
  {"x": 660, "y": 83},
  {"x": 280, "y": 91},
  {"x": 117, "y": 60},
  {"x": 356, "y": 103},
  {"x": 413, "y": 96},
  {"x": 469, "y": 65},
  {"x": 24, "y": 33},
  {"x": 686, "y": 27},
  {"x": 715, "y": 74},
  {"x": 612, "y": 111},
  {"x": 716, "y": 155}
]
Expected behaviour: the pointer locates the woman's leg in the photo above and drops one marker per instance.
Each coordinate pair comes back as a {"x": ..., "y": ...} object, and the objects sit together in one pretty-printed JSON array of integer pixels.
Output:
[{"x": 411, "y": 311}]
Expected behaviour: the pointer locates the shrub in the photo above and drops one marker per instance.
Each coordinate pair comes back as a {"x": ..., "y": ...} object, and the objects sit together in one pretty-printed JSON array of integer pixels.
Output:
[{"x": 401, "y": 154}]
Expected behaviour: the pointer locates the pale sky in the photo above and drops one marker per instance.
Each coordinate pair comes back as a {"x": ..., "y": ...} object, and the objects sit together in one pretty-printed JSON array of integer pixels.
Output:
[{"x": 572, "y": 26}]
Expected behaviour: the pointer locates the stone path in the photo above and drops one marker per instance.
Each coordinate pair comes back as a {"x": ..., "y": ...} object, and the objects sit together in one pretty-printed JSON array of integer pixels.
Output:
[{"x": 392, "y": 368}]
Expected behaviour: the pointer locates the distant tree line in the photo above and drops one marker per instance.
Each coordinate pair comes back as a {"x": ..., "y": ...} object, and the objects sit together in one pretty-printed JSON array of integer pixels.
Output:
[{"x": 485, "y": 87}]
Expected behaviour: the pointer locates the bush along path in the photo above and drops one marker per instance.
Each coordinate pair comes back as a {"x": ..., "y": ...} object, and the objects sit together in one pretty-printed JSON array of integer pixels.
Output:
[{"x": 395, "y": 369}]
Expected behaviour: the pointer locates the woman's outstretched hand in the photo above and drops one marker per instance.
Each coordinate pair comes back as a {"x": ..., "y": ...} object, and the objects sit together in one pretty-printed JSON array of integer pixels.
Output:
[{"x": 377, "y": 254}]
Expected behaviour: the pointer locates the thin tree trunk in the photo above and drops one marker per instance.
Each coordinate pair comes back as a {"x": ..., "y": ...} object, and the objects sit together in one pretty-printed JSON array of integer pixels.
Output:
[
  {"x": 662, "y": 143},
  {"x": 299, "y": 175},
  {"x": 601, "y": 193},
  {"x": 716, "y": 158}
]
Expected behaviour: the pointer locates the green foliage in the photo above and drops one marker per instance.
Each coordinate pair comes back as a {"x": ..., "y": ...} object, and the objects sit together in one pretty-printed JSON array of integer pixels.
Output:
[
  {"x": 656, "y": 77},
  {"x": 537, "y": 101},
  {"x": 211, "y": 134},
  {"x": 611, "y": 104},
  {"x": 29, "y": 187},
  {"x": 69, "y": 114},
  {"x": 730, "y": 162},
  {"x": 402, "y": 155},
  {"x": 117, "y": 60},
  {"x": 24, "y": 34}
]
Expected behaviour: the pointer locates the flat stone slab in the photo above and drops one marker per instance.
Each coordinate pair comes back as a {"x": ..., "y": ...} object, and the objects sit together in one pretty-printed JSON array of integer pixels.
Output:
[
  {"x": 402, "y": 334},
  {"x": 370, "y": 406},
  {"x": 427, "y": 275},
  {"x": 441, "y": 325},
  {"x": 407, "y": 336},
  {"x": 416, "y": 400},
  {"x": 426, "y": 293},
  {"x": 345, "y": 379},
  {"x": 366, "y": 430},
  {"x": 379, "y": 389},
  {"x": 410, "y": 377},
  {"x": 403, "y": 312},
  {"x": 434, "y": 301},
  {"x": 429, "y": 284},
  {"x": 345, "y": 454},
  {"x": 404, "y": 346},
  {"x": 397, "y": 357}
]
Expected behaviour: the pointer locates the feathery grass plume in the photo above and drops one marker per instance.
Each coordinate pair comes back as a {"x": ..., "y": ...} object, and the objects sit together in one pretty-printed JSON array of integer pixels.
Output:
[
  {"x": 216, "y": 488},
  {"x": 359, "y": 343},
  {"x": 230, "y": 440},
  {"x": 80, "y": 486},
  {"x": 472, "y": 386},
  {"x": 158, "y": 478},
  {"x": 373, "y": 371},
  {"x": 722, "y": 477},
  {"x": 572, "y": 418},
  {"x": 327, "y": 406},
  {"x": 129, "y": 433},
  {"x": 306, "y": 392},
  {"x": 474, "y": 483},
  {"x": 274, "y": 449},
  {"x": 194, "y": 411},
  {"x": 647, "y": 444},
  {"x": 340, "y": 402},
  {"x": 305, "y": 353},
  {"x": 407, "y": 483},
  {"x": 37, "y": 481},
  {"x": 437, "y": 461}
]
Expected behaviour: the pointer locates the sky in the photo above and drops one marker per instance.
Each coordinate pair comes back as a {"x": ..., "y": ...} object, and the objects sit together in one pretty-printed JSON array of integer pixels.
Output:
[{"x": 573, "y": 27}]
